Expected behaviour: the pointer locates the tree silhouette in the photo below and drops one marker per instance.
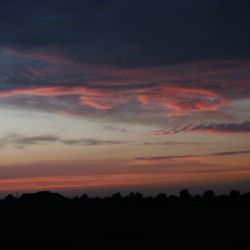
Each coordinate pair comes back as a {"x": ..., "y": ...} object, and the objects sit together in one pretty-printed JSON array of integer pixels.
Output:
[
  {"x": 161, "y": 197},
  {"x": 208, "y": 195},
  {"x": 84, "y": 197},
  {"x": 234, "y": 194},
  {"x": 9, "y": 198},
  {"x": 184, "y": 195},
  {"x": 116, "y": 196}
]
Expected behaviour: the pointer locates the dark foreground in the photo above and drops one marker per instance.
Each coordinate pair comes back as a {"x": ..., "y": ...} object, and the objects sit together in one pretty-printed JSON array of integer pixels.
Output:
[{"x": 50, "y": 221}]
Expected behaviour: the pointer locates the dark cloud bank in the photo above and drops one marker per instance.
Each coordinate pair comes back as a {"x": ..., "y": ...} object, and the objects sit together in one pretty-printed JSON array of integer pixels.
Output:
[{"x": 128, "y": 33}]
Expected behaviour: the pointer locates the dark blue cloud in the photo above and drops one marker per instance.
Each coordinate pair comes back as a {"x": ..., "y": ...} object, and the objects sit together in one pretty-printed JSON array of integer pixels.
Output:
[{"x": 129, "y": 33}]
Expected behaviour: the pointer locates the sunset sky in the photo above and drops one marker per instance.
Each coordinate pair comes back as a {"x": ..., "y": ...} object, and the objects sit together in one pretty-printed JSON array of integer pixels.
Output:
[{"x": 110, "y": 95}]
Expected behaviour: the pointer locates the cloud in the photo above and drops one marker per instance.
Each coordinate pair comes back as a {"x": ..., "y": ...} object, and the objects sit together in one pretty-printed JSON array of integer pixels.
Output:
[
  {"x": 115, "y": 128},
  {"x": 170, "y": 90},
  {"x": 22, "y": 141},
  {"x": 92, "y": 97},
  {"x": 212, "y": 128},
  {"x": 181, "y": 100},
  {"x": 128, "y": 33},
  {"x": 173, "y": 143},
  {"x": 173, "y": 157},
  {"x": 175, "y": 99},
  {"x": 104, "y": 57},
  {"x": 91, "y": 142}
]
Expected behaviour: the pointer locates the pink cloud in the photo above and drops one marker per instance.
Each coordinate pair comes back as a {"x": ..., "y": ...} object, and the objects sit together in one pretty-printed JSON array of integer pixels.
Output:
[
  {"x": 180, "y": 89},
  {"x": 183, "y": 100},
  {"x": 95, "y": 98},
  {"x": 175, "y": 100}
]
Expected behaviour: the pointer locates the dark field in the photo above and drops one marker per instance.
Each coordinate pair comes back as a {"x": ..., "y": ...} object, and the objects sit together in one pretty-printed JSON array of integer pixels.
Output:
[{"x": 49, "y": 221}]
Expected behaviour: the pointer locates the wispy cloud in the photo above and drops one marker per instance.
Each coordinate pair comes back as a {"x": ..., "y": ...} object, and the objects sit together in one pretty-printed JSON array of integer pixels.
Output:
[
  {"x": 170, "y": 157},
  {"x": 22, "y": 141},
  {"x": 172, "y": 143},
  {"x": 115, "y": 128},
  {"x": 212, "y": 128}
]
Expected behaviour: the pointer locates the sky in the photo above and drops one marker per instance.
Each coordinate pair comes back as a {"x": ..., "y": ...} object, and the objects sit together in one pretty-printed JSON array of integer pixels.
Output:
[{"x": 102, "y": 96}]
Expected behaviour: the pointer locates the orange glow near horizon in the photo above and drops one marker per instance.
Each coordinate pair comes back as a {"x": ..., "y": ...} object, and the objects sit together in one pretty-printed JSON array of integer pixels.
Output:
[{"x": 117, "y": 181}]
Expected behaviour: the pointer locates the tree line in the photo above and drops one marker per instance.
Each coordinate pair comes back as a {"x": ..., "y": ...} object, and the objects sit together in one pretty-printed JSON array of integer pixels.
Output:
[{"x": 184, "y": 196}]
